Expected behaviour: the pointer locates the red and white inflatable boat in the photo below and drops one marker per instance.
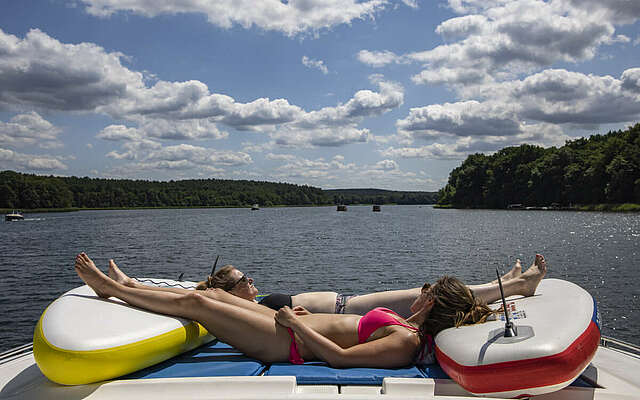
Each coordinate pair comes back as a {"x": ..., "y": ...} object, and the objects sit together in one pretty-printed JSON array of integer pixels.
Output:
[{"x": 558, "y": 332}]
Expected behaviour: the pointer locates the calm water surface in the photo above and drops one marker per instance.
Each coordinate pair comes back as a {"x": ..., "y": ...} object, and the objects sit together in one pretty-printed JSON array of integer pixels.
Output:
[{"x": 302, "y": 249}]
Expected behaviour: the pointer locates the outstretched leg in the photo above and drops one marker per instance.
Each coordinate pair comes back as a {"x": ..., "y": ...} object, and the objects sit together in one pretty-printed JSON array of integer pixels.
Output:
[
  {"x": 524, "y": 285},
  {"x": 117, "y": 275},
  {"x": 400, "y": 300},
  {"x": 255, "y": 334},
  {"x": 515, "y": 272}
]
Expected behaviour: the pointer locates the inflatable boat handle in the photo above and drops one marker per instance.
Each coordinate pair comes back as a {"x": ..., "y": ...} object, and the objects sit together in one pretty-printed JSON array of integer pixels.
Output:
[{"x": 509, "y": 328}]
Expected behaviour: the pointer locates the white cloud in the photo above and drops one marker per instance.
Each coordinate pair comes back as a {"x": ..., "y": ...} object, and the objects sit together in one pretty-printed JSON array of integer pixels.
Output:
[
  {"x": 461, "y": 27},
  {"x": 40, "y": 72},
  {"x": 336, "y": 172},
  {"x": 549, "y": 97},
  {"x": 468, "y": 118},
  {"x": 10, "y": 159},
  {"x": 317, "y": 64},
  {"x": 43, "y": 73},
  {"x": 185, "y": 153},
  {"x": 560, "y": 96},
  {"x": 183, "y": 157},
  {"x": 436, "y": 151},
  {"x": 378, "y": 59},
  {"x": 620, "y": 11},
  {"x": 291, "y": 17},
  {"x": 387, "y": 165},
  {"x": 533, "y": 110},
  {"x": 502, "y": 39},
  {"x": 411, "y": 3},
  {"x": 631, "y": 80},
  {"x": 363, "y": 104},
  {"x": 119, "y": 132},
  {"x": 190, "y": 129},
  {"x": 29, "y": 129},
  {"x": 459, "y": 148}
]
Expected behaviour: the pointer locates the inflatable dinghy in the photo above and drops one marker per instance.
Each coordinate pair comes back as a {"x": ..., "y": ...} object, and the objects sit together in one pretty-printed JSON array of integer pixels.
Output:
[
  {"x": 81, "y": 338},
  {"x": 557, "y": 334}
]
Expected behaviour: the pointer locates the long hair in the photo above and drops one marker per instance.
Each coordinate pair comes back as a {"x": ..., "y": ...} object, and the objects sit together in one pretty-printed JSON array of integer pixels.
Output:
[
  {"x": 455, "y": 305},
  {"x": 220, "y": 279}
]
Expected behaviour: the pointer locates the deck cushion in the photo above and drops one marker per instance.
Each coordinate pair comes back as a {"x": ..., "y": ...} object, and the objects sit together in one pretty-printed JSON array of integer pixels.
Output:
[
  {"x": 213, "y": 359},
  {"x": 319, "y": 373}
]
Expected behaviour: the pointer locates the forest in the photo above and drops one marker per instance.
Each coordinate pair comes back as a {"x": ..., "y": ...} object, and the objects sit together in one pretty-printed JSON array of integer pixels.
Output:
[
  {"x": 36, "y": 192},
  {"x": 379, "y": 196},
  {"x": 601, "y": 169}
]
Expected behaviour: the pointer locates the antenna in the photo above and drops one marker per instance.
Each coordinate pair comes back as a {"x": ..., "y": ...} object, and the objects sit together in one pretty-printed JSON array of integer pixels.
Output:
[
  {"x": 214, "y": 266},
  {"x": 509, "y": 328}
]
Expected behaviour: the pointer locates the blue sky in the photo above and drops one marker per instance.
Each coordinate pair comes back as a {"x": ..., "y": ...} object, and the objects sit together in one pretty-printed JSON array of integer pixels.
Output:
[{"x": 334, "y": 93}]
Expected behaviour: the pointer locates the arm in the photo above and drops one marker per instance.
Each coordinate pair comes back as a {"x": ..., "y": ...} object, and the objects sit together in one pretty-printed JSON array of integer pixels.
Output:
[{"x": 394, "y": 350}]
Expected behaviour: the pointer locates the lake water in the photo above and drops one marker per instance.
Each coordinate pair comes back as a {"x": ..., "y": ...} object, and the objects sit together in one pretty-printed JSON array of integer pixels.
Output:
[{"x": 303, "y": 249}]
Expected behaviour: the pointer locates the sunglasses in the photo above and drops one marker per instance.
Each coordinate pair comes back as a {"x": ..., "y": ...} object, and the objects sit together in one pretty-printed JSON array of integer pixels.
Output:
[{"x": 242, "y": 279}]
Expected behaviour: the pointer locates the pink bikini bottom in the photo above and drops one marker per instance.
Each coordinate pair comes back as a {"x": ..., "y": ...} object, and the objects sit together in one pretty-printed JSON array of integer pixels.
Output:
[{"x": 294, "y": 354}]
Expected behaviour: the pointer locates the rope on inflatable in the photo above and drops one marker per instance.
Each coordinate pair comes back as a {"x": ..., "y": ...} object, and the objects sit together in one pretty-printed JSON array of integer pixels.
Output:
[{"x": 161, "y": 282}]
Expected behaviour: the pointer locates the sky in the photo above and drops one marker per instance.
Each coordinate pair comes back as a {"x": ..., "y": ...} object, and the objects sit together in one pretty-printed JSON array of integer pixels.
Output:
[{"x": 329, "y": 93}]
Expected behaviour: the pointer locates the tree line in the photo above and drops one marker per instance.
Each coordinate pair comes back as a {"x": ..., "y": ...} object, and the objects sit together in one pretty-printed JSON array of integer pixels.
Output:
[
  {"x": 28, "y": 191},
  {"x": 596, "y": 170},
  {"x": 379, "y": 196}
]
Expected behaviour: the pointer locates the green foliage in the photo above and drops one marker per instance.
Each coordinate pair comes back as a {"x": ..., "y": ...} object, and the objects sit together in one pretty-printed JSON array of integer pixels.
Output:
[
  {"x": 378, "y": 196},
  {"x": 29, "y": 192},
  {"x": 603, "y": 169},
  {"x": 26, "y": 191}
]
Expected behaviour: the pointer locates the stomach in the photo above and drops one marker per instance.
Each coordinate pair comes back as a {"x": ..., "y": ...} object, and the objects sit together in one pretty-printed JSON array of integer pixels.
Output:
[{"x": 340, "y": 329}]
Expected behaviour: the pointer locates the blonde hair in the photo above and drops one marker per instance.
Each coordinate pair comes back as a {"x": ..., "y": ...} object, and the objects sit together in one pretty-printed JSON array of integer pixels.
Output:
[
  {"x": 455, "y": 305},
  {"x": 220, "y": 279}
]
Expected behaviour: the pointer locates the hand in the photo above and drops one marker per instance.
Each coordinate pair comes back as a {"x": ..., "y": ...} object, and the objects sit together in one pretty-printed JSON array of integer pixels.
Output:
[
  {"x": 286, "y": 317},
  {"x": 299, "y": 310}
]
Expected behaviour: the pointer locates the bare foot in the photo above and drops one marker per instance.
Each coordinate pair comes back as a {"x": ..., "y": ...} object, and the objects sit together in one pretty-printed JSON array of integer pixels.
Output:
[
  {"x": 117, "y": 275},
  {"x": 515, "y": 272},
  {"x": 532, "y": 277},
  {"x": 92, "y": 276}
]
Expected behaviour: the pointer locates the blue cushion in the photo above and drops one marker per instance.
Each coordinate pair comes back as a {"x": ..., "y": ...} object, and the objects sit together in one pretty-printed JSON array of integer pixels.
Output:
[
  {"x": 319, "y": 373},
  {"x": 433, "y": 371},
  {"x": 212, "y": 359}
]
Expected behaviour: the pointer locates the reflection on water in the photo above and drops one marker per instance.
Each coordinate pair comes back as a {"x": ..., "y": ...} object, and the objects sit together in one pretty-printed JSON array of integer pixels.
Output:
[{"x": 302, "y": 249}]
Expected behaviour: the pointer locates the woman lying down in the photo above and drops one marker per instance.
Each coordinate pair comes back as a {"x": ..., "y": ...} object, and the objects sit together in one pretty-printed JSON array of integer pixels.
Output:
[{"x": 378, "y": 339}]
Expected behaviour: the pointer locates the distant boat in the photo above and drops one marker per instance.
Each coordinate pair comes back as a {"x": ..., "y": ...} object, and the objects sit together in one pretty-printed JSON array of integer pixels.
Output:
[
  {"x": 255, "y": 207},
  {"x": 376, "y": 208},
  {"x": 14, "y": 216},
  {"x": 341, "y": 207}
]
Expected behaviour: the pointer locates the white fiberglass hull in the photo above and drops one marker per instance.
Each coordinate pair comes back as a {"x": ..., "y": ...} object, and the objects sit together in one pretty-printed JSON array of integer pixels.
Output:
[{"x": 615, "y": 371}]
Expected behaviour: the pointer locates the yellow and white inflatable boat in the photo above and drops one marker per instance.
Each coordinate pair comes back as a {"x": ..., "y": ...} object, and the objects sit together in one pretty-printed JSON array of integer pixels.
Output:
[{"x": 81, "y": 338}]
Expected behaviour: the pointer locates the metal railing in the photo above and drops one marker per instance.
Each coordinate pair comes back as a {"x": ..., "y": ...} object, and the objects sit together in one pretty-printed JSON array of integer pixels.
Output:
[
  {"x": 16, "y": 352},
  {"x": 621, "y": 345}
]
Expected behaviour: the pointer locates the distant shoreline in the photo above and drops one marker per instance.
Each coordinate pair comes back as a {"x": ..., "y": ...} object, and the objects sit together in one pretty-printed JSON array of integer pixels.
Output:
[
  {"x": 625, "y": 207},
  {"x": 74, "y": 209}
]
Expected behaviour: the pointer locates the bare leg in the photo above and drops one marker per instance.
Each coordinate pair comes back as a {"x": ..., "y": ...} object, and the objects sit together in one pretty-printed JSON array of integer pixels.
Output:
[
  {"x": 255, "y": 334},
  {"x": 515, "y": 272},
  {"x": 516, "y": 283},
  {"x": 117, "y": 275},
  {"x": 397, "y": 300},
  {"x": 316, "y": 302},
  {"x": 524, "y": 285},
  {"x": 400, "y": 300}
]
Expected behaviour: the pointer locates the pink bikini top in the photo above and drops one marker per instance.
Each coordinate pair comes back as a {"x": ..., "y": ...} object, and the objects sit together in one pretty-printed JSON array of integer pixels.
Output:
[{"x": 376, "y": 318}]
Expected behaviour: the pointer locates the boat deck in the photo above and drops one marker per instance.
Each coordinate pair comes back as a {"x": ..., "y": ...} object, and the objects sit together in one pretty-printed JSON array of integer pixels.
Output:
[{"x": 219, "y": 371}]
